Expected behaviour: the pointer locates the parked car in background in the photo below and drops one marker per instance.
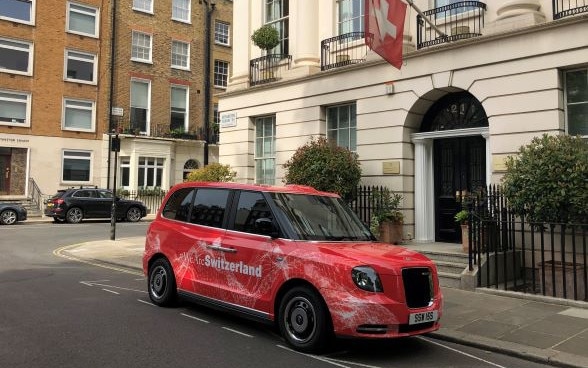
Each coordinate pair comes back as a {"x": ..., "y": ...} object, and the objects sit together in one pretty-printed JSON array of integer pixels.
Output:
[
  {"x": 74, "y": 204},
  {"x": 292, "y": 256},
  {"x": 10, "y": 213}
]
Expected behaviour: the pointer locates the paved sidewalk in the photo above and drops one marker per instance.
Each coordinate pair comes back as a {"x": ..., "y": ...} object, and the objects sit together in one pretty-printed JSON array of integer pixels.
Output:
[{"x": 547, "y": 330}]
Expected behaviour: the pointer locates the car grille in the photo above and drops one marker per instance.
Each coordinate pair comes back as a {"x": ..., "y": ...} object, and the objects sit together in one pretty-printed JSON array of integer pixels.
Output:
[{"x": 418, "y": 286}]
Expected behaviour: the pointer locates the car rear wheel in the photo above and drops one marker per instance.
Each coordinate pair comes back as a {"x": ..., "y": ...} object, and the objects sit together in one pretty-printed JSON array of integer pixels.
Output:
[
  {"x": 133, "y": 214},
  {"x": 8, "y": 217},
  {"x": 74, "y": 215},
  {"x": 303, "y": 320},
  {"x": 162, "y": 283},
  {"x": 58, "y": 220}
]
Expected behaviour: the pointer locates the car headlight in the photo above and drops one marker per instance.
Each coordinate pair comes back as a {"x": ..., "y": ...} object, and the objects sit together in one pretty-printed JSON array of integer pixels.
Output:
[{"x": 366, "y": 278}]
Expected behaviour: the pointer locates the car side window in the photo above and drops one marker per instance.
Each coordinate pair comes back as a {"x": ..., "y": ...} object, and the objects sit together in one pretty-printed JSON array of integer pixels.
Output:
[
  {"x": 104, "y": 194},
  {"x": 84, "y": 193},
  {"x": 178, "y": 205},
  {"x": 209, "y": 207},
  {"x": 251, "y": 207}
]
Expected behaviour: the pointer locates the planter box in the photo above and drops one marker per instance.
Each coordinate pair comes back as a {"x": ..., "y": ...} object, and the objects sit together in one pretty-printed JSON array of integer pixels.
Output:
[{"x": 391, "y": 232}]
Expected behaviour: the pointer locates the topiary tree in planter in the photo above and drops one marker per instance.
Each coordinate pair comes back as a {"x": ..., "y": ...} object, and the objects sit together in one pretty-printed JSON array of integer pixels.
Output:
[
  {"x": 212, "y": 172},
  {"x": 548, "y": 180},
  {"x": 324, "y": 166},
  {"x": 266, "y": 37}
]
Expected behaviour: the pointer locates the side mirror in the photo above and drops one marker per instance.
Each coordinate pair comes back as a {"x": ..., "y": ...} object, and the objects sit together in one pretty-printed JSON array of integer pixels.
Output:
[{"x": 265, "y": 226}]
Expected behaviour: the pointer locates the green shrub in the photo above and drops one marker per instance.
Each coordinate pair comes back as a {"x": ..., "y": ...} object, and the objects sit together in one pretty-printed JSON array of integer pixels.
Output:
[
  {"x": 266, "y": 37},
  {"x": 325, "y": 167},
  {"x": 387, "y": 208},
  {"x": 212, "y": 172},
  {"x": 548, "y": 180}
]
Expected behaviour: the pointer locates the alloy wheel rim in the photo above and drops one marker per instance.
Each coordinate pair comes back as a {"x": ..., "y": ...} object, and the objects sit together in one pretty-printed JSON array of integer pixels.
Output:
[
  {"x": 158, "y": 282},
  {"x": 300, "y": 319}
]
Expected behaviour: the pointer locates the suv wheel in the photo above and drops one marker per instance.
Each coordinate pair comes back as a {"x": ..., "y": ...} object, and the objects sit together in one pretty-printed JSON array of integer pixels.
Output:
[
  {"x": 133, "y": 214},
  {"x": 8, "y": 217},
  {"x": 162, "y": 283},
  {"x": 74, "y": 215}
]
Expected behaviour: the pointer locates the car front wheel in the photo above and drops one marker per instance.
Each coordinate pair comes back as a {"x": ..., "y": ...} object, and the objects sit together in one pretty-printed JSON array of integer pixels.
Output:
[
  {"x": 162, "y": 283},
  {"x": 74, "y": 215},
  {"x": 8, "y": 217},
  {"x": 303, "y": 320},
  {"x": 133, "y": 214}
]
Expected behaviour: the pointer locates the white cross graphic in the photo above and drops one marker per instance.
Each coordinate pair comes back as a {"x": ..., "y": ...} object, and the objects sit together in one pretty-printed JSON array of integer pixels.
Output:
[{"x": 384, "y": 25}]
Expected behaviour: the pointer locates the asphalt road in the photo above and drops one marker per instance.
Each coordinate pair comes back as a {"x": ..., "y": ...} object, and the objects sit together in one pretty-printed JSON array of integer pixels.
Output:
[{"x": 55, "y": 312}]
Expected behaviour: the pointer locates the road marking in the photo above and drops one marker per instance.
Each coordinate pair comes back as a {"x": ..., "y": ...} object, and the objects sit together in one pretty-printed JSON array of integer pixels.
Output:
[
  {"x": 196, "y": 318},
  {"x": 59, "y": 253},
  {"x": 461, "y": 352},
  {"x": 95, "y": 283},
  {"x": 575, "y": 312},
  {"x": 144, "y": 302},
  {"x": 335, "y": 362},
  {"x": 111, "y": 291},
  {"x": 237, "y": 332}
]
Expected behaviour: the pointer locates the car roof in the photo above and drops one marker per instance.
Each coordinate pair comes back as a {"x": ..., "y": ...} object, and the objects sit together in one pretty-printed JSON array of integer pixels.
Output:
[{"x": 290, "y": 188}]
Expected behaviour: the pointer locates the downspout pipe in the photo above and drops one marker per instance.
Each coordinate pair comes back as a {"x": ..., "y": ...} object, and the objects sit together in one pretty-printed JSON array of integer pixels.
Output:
[{"x": 210, "y": 6}]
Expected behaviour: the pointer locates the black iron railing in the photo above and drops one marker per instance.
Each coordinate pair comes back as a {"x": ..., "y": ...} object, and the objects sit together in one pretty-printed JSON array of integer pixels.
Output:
[
  {"x": 35, "y": 194},
  {"x": 346, "y": 49},
  {"x": 165, "y": 131},
  {"x": 364, "y": 203},
  {"x": 457, "y": 21},
  {"x": 568, "y": 8},
  {"x": 548, "y": 259},
  {"x": 151, "y": 197},
  {"x": 268, "y": 68}
]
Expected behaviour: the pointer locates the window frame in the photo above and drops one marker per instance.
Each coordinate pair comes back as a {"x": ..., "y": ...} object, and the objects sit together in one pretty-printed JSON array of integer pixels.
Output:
[
  {"x": 92, "y": 110},
  {"x": 96, "y": 15},
  {"x": 177, "y": 55},
  {"x": 186, "y": 90},
  {"x": 351, "y": 19},
  {"x": 351, "y": 129},
  {"x": 281, "y": 23},
  {"x": 135, "y": 47},
  {"x": 31, "y": 15},
  {"x": 67, "y": 58},
  {"x": 567, "y": 104},
  {"x": 220, "y": 34},
  {"x": 90, "y": 159},
  {"x": 143, "y": 163},
  {"x": 260, "y": 158},
  {"x": 30, "y": 49},
  {"x": 175, "y": 6},
  {"x": 28, "y": 97},
  {"x": 217, "y": 75},
  {"x": 149, "y": 11},
  {"x": 148, "y": 108}
]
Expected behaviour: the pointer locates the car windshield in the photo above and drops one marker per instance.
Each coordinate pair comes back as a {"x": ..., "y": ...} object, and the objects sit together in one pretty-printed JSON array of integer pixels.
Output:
[{"x": 321, "y": 218}]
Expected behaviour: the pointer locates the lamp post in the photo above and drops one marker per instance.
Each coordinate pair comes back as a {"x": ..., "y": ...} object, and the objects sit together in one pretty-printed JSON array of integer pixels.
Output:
[{"x": 209, "y": 9}]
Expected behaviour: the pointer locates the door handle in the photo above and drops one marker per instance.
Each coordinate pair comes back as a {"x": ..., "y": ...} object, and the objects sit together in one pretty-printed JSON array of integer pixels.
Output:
[{"x": 221, "y": 249}]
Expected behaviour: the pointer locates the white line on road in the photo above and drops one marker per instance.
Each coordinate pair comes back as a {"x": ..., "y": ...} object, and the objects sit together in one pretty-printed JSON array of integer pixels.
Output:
[
  {"x": 195, "y": 318},
  {"x": 335, "y": 362},
  {"x": 461, "y": 352},
  {"x": 237, "y": 332},
  {"x": 93, "y": 283},
  {"x": 110, "y": 291},
  {"x": 144, "y": 302}
]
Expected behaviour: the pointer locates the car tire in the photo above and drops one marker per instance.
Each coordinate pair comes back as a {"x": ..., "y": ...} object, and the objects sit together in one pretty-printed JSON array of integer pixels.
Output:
[
  {"x": 162, "y": 283},
  {"x": 74, "y": 215},
  {"x": 304, "y": 321},
  {"x": 57, "y": 220},
  {"x": 8, "y": 217},
  {"x": 133, "y": 214}
]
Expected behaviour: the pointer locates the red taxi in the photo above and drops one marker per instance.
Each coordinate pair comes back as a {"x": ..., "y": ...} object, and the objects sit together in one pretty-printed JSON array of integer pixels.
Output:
[{"x": 292, "y": 256}]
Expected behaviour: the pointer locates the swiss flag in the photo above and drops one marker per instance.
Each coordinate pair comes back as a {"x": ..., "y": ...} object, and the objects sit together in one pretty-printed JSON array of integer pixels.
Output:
[{"x": 384, "y": 27}]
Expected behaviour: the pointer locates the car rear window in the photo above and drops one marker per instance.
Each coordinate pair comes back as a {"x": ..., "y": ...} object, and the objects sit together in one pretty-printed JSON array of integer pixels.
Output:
[{"x": 58, "y": 195}]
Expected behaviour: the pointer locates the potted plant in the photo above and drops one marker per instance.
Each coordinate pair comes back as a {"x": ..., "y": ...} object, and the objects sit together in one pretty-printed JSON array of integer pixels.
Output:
[
  {"x": 387, "y": 220},
  {"x": 266, "y": 37},
  {"x": 462, "y": 218}
]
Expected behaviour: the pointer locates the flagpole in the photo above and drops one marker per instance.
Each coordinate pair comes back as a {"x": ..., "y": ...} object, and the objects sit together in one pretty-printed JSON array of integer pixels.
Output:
[{"x": 411, "y": 3}]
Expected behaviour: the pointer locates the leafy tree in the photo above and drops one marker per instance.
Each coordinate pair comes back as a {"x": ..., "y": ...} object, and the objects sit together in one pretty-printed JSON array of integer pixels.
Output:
[
  {"x": 324, "y": 166},
  {"x": 266, "y": 37},
  {"x": 548, "y": 180},
  {"x": 212, "y": 172}
]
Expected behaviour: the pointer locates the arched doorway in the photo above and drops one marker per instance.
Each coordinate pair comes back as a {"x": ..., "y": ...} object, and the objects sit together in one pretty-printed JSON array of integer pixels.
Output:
[{"x": 451, "y": 153}]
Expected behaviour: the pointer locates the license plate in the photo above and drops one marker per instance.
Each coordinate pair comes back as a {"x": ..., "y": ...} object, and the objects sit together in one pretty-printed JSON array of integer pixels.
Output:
[
  {"x": 49, "y": 205},
  {"x": 423, "y": 317}
]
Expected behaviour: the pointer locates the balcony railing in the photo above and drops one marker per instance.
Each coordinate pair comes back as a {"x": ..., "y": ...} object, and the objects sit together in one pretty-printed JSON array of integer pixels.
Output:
[
  {"x": 165, "y": 131},
  {"x": 461, "y": 20},
  {"x": 567, "y": 8},
  {"x": 268, "y": 68},
  {"x": 342, "y": 50}
]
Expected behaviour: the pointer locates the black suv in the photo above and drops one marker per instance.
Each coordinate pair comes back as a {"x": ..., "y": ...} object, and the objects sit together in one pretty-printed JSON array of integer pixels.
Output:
[{"x": 74, "y": 204}]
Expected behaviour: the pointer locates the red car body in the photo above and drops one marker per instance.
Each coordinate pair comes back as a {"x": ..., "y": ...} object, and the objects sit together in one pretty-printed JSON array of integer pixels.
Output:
[{"x": 251, "y": 273}]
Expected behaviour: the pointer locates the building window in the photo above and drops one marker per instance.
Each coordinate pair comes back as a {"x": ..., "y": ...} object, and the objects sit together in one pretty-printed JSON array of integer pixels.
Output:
[
  {"x": 181, "y": 10},
  {"x": 341, "y": 126},
  {"x": 179, "y": 109},
  {"x": 15, "y": 109},
  {"x": 576, "y": 82},
  {"x": 458, "y": 10},
  {"x": 21, "y": 11},
  {"x": 141, "y": 47},
  {"x": 190, "y": 166},
  {"x": 350, "y": 16},
  {"x": 82, "y": 19},
  {"x": 265, "y": 150},
  {"x": 221, "y": 33},
  {"x": 76, "y": 166},
  {"x": 16, "y": 57},
  {"x": 150, "y": 172},
  {"x": 221, "y": 73},
  {"x": 277, "y": 13},
  {"x": 78, "y": 115},
  {"x": 80, "y": 67},
  {"x": 125, "y": 171},
  {"x": 140, "y": 103},
  {"x": 180, "y": 55},
  {"x": 143, "y": 5}
]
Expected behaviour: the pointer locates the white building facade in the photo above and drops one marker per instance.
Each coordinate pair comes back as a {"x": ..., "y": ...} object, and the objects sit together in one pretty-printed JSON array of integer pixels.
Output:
[{"x": 504, "y": 72}]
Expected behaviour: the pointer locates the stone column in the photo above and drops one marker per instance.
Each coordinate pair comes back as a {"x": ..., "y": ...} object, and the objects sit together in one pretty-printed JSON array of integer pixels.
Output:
[
  {"x": 424, "y": 209},
  {"x": 241, "y": 44},
  {"x": 513, "y": 14},
  {"x": 304, "y": 42}
]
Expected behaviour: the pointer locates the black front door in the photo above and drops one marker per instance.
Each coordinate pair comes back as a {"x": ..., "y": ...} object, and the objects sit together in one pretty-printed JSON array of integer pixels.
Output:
[
  {"x": 4, "y": 171},
  {"x": 460, "y": 168}
]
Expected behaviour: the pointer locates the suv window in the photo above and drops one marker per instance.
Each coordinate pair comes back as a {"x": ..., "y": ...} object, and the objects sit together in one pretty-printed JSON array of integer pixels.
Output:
[
  {"x": 251, "y": 206},
  {"x": 178, "y": 205},
  {"x": 209, "y": 207},
  {"x": 84, "y": 193},
  {"x": 104, "y": 194}
]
